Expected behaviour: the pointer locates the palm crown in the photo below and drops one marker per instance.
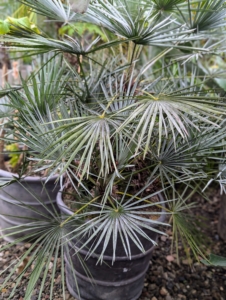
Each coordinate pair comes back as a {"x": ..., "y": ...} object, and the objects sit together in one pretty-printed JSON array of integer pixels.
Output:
[{"x": 127, "y": 113}]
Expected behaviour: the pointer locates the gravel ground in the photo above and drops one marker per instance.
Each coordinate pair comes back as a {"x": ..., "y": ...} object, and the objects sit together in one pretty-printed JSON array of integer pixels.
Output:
[{"x": 165, "y": 279}]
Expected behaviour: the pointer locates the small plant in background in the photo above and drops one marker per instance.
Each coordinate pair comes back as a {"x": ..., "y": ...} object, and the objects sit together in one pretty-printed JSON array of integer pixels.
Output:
[
  {"x": 130, "y": 120},
  {"x": 14, "y": 155}
]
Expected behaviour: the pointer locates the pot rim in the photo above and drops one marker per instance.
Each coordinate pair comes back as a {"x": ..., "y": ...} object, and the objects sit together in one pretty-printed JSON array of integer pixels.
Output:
[
  {"x": 64, "y": 208},
  {"x": 11, "y": 175}
]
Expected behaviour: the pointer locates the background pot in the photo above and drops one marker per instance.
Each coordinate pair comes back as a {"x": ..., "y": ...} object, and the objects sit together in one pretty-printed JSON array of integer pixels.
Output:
[
  {"x": 121, "y": 281},
  {"x": 25, "y": 201}
]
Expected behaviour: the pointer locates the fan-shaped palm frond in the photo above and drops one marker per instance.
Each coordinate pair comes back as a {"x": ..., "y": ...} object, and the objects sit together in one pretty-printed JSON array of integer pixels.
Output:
[
  {"x": 189, "y": 163},
  {"x": 43, "y": 251},
  {"x": 169, "y": 106},
  {"x": 31, "y": 130},
  {"x": 24, "y": 39},
  {"x": 44, "y": 88},
  {"x": 86, "y": 136},
  {"x": 144, "y": 27},
  {"x": 205, "y": 15},
  {"x": 55, "y": 10},
  {"x": 167, "y": 5},
  {"x": 120, "y": 222}
]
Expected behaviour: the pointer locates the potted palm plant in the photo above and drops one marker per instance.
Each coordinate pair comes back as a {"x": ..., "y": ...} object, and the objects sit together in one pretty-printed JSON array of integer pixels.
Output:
[
  {"x": 24, "y": 195},
  {"x": 132, "y": 127}
]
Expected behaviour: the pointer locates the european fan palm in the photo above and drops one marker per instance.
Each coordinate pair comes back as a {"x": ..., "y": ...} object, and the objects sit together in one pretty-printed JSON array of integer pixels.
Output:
[{"x": 119, "y": 119}]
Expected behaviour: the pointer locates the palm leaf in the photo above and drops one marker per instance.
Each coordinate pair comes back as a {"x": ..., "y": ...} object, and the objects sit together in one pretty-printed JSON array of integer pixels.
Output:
[
  {"x": 102, "y": 228},
  {"x": 206, "y": 15},
  {"x": 55, "y": 10},
  {"x": 145, "y": 27},
  {"x": 167, "y": 5}
]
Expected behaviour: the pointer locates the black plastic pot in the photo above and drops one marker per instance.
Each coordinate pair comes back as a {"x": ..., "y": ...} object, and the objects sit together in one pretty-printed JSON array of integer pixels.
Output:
[
  {"x": 24, "y": 202},
  {"x": 121, "y": 281}
]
